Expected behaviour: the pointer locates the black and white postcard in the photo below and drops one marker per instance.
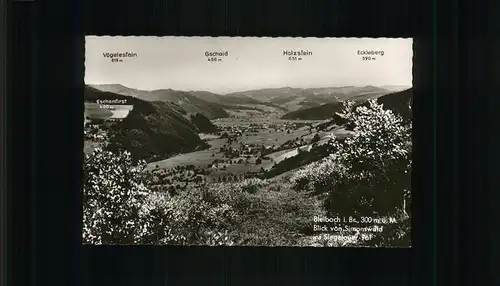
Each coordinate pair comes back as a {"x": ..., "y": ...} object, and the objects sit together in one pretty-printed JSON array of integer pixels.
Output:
[{"x": 248, "y": 141}]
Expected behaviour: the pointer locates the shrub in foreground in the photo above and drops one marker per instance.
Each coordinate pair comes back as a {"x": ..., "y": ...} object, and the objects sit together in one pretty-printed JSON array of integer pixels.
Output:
[
  {"x": 185, "y": 219},
  {"x": 113, "y": 192},
  {"x": 119, "y": 207},
  {"x": 369, "y": 173}
]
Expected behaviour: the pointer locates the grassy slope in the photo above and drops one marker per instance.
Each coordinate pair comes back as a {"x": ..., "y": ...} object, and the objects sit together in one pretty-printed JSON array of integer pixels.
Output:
[{"x": 272, "y": 214}]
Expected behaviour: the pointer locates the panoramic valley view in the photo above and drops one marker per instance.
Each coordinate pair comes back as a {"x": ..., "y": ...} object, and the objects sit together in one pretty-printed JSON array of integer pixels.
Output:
[{"x": 270, "y": 166}]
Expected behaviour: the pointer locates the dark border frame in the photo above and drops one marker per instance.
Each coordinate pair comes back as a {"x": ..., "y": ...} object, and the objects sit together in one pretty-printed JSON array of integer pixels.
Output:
[
  {"x": 338, "y": 25},
  {"x": 52, "y": 56}
]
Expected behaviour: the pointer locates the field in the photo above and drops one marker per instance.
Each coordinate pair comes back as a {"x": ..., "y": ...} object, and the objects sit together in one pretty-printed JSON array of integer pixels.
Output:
[{"x": 199, "y": 158}]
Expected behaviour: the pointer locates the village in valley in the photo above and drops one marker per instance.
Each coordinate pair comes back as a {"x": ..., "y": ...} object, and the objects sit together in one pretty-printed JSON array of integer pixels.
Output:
[
  {"x": 246, "y": 144},
  {"x": 242, "y": 148}
]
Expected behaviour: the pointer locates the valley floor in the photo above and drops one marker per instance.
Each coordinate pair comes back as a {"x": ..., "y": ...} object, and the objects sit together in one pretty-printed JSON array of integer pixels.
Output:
[{"x": 243, "y": 148}]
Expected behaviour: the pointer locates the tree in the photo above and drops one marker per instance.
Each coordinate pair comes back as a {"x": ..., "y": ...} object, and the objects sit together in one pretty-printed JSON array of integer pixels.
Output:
[
  {"x": 120, "y": 208},
  {"x": 378, "y": 162},
  {"x": 368, "y": 173},
  {"x": 258, "y": 161},
  {"x": 113, "y": 190}
]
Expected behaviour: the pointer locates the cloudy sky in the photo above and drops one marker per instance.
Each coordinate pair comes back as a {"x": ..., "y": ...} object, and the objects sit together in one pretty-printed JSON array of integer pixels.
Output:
[{"x": 180, "y": 63}]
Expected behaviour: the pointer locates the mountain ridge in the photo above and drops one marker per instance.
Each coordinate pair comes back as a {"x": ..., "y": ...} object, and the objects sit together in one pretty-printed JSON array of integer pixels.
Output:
[
  {"x": 395, "y": 101},
  {"x": 285, "y": 99},
  {"x": 152, "y": 130},
  {"x": 186, "y": 100}
]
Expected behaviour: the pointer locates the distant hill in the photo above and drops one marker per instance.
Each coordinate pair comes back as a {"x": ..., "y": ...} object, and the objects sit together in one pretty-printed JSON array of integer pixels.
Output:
[
  {"x": 325, "y": 111},
  {"x": 231, "y": 102},
  {"x": 152, "y": 130},
  {"x": 189, "y": 102},
  {"x": 118, "y": 88},
  {"x": 223, "y": 99},
  {"x": 395, "y": 88},
  {"x": 268, "y": 94},
  {"x": 210, "y": 104},
  {"x": 321, "y": 112},
  {"x": 397, "y": 101},
  {"x": 292, "y": 99},
  {"x": 286, "y": 99}
]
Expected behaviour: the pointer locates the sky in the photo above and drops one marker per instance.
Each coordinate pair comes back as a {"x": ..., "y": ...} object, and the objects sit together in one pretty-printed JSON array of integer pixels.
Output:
[{"x": 180, "y": 63}]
